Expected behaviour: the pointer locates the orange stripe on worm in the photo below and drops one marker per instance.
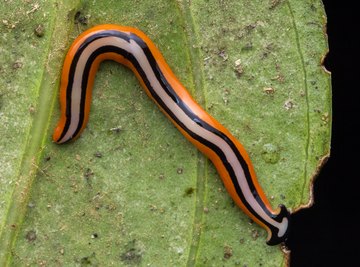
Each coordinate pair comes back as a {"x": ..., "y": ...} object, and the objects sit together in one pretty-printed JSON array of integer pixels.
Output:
[{"x": 135, "y": 50}]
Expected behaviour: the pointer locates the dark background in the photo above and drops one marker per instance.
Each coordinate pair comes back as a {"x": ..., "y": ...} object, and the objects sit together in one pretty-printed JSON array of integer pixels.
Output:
[{"x": 328, "y": 234}]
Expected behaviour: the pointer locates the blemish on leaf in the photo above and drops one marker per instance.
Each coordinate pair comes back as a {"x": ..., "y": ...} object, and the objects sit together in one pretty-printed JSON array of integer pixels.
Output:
[
  {"x": 132, "y": 254},
  {"x": 31, "y": 236},
  {"x": 17, "y": 64},
  {"x": 94, "y": 235},
  {"x": 274, "y": 4},
  {"x": 247, "y": 47},
  {"x": 189, "y": 191},
  {"x": 289, "y": 104},
  {"x": 8, "y": 24},
  {"x": 247, "y": 30},
  {"x": 87, "y": 175},
  {"x": 270, "y": 153},
  {"x": 325, "y": 118},
  {"x": 238, "y": 68},
  {"x": 98, "y": 154},
  {"x": 34, "y": 7},
  {"x": 225, "y": 97},
  {"x": 89, "y": 261},
  {"x": 116, "y": 129},
  {"x": 228, "y": 252},
  {"x": 279, "y": 77},
  {"x": 267, "y": 50},
  {"x": 223, "y": 55},
  {"x": 81, "y": 18},
  {"x": 269, "y": 90},
  {"x": 32, "y": 110},
  {"x": 254, "y": 234},
  {"x": 39, "y": 30}
]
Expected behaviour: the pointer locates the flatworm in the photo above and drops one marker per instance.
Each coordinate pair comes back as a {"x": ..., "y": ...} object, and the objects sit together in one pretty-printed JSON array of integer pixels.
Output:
[{"x": 135, "y": 50}]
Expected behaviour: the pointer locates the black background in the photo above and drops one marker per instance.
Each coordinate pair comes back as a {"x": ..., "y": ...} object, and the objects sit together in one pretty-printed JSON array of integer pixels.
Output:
[{"x": 328, "y": 234}]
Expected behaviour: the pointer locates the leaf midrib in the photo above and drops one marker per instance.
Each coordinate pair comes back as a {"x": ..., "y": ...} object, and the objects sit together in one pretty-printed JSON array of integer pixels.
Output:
[
  {"x": 36, "y": 138},
  {"x": 197, "y": 76}
]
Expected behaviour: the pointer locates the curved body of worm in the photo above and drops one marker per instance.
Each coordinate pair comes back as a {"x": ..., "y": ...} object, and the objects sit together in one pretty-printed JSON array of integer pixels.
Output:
[{"x": 135, "y": 50}]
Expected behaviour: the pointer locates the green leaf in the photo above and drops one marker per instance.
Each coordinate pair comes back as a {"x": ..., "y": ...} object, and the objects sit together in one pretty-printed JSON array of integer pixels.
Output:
[{"x": 132, "y": 191}]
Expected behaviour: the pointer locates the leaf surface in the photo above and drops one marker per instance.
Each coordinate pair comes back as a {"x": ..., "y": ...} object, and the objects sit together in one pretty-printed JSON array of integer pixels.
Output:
[{"x": 132, "y": 190}]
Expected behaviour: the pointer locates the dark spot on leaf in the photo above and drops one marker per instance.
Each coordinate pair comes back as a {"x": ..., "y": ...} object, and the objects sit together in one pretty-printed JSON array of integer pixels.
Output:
[
  {"x": 31, "y": 236},
  {"x": 189, "y": 191},
  {"x": 222, "y": 53},
  {"x": 39, "y": 30},
  {"x": 17, "y": 65},
  {"x": 250, "y": 27},
  {"x": 228, "y": 252},
  {"x": 32, "y": 109},
  {"x": 89, "y": 261},
  {"x": 94, "y": 235},
  {"x": 289, "y": 104},
  {"x": 132, "y": 254},
  {"x": 98, "y": 154},
  {"x": 267, "y": 50},
  {"x": 180, "y": 170},
  {"x": 247, "y": 47},
  {"x": 254, "y": 234},
  {"x": 81, "y": 18},
  {"x": 87, "y": 175},
  {"x": 313, "y": 8},
  {"x": 116, "y": 130},
  {"x": 274, "y": 4}
]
